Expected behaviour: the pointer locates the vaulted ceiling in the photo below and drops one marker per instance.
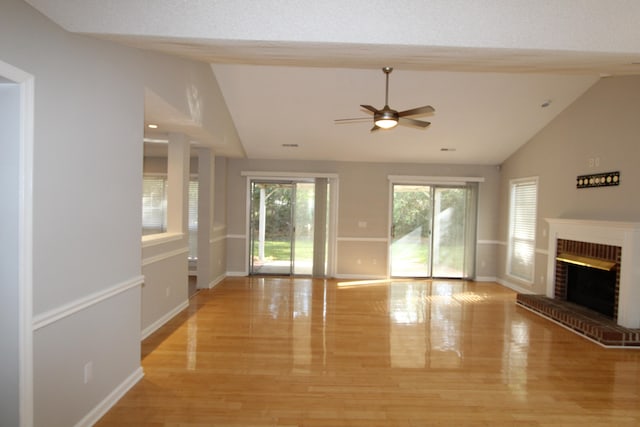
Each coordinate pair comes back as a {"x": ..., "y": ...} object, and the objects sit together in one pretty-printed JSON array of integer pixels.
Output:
[{"x": 496, "y": 71}]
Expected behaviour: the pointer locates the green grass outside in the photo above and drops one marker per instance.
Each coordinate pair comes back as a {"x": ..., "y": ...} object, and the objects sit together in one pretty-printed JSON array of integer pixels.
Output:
[{"x": 281, "y": 251}]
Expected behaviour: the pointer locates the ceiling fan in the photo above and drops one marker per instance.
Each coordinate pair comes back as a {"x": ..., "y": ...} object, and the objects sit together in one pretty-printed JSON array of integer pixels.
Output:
[{"x": 387, "y": 118}]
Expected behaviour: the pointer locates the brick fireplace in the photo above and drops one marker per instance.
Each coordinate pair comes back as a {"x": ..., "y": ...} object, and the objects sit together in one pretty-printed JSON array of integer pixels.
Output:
[
  {"x": 585, "y": 245},
  {"x": 580, "y": 277},
  {"x": 615, "y": 241}
]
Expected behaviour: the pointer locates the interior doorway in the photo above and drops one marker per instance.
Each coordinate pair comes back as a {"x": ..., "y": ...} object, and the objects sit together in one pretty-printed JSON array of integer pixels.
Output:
[
  {"x": 432, "y": 230},
  {"x": 16, "y": 245}
]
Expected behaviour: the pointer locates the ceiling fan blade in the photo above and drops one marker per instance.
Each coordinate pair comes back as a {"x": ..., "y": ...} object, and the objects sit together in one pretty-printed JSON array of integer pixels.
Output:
[
  {"x": 351, "y": 120},
  {"x": 412, "y": 122},
  {"x": 370, "y": 108},
  {"x": 427, "y": 109},
  {"x": 375, "y": 128}
]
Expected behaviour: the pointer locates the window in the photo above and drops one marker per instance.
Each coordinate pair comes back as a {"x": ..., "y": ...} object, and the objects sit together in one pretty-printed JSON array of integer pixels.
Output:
[
  {"x": 522, "y": 228},
  {"x": 193, "y": 219},
  {"x": 154, "y": 208},
  {"x": 154, "y": 204}
]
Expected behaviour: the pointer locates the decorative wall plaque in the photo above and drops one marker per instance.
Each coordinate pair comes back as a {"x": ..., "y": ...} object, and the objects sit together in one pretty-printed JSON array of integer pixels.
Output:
[{"x": 605, "y": 179}]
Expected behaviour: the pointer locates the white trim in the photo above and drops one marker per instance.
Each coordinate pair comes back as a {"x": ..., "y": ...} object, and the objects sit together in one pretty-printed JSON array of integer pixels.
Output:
[
  {"x": 163, "y": 256},
  {"x": 247, "y": 254},
  {"x": 544, "y": 252},
  {"x": 491, "y": 242},
  {"x": 236, "y": 236},
  {"x": 286, "y": 175},
  {"x": 160, "y": 238},
  {"x": 363, "y": 239},
  {"x": 108, "y": 402},
  {"x": 217, "y": 239},
  {"x": 446, "y": 180},
  {"x": 486, "y": 279},
  {"x": 514, "y": 287},
  {"x": 164, "y": 319},
  {"x": 73, "y": 307},
  {"x": 237, "y": 273},
  {"x": 360, "y": 277},
  {"x": 26, "y": 84},
  {"x": 215, "y": 282}
]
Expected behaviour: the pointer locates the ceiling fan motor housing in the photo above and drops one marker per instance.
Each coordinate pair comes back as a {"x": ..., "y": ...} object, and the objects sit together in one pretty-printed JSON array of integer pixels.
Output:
[{"x": 386, "y": 114}]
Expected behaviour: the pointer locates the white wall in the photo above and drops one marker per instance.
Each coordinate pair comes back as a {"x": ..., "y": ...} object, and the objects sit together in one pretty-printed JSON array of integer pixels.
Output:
[
  {"x": 9, "y": 300},
  {"x": 602, "y": 124}
]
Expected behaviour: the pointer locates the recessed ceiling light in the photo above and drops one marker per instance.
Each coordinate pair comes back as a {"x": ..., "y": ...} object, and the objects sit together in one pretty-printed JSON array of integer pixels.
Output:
[
  {"x": 290, "y": 145},
  {"x": 546, "y": 103},
  {"x": 152, "y": 126},
  {"x": 447, "y": 149}
]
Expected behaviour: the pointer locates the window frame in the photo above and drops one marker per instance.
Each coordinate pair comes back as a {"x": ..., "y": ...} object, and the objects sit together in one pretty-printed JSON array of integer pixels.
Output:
[{"x": 514, "y": 240}]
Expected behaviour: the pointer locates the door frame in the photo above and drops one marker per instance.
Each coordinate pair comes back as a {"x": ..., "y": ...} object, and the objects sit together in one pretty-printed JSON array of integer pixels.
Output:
[
  {"x": 293, "y": 176},
  {"x": 292, "y": 225},
  {"x": 434, "y": 181},
  {"x": 26, "y": 84}
]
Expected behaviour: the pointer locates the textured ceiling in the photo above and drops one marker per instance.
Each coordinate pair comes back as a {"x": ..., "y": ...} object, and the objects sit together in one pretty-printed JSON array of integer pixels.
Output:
[{"x": 288, "y": 68}]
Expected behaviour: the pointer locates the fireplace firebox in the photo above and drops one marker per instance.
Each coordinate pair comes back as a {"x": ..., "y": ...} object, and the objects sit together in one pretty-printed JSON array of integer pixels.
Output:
[
  {"x": 586, "y": 274},
  {"x": 592, "y": 288}
]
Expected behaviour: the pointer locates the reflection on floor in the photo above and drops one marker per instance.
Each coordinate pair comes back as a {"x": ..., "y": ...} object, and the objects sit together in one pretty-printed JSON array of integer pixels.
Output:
[
  {"x": 193, "y": 285},
  {"x": 304, "y": 352}
]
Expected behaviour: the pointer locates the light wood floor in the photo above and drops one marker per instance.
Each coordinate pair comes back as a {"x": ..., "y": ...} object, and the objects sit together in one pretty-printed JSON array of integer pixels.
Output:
[{"x": 285, "y": 352}]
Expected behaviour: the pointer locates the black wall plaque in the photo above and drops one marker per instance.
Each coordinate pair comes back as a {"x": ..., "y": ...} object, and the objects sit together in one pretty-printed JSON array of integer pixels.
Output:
[{"x": 605, "y": 179}]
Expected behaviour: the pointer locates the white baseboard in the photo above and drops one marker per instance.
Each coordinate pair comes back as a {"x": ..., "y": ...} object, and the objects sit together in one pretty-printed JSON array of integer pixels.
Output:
[
  {"x": 237, "y": 273},
  {"x": 103, "y": 407},
  {"x": 216, "y": 281},
  {"x": 359, "y": 277},
  {"x": 485, "y": 279},
  {"x": 514, "y": 287},
  {"x": 164, "y": 319}
]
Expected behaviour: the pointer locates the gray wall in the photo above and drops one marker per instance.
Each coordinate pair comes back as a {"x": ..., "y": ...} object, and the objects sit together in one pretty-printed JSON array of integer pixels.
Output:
[
  {"x": 363, "y": 197},
  {"x": 9, "y": 285},
  {"x": 89, "y": 115},
  {"x": 601, "y": 127}
]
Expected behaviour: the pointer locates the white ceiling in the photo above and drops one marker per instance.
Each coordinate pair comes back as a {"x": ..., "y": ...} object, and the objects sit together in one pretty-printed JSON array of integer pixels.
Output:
[{"x": 288, "y": 68}]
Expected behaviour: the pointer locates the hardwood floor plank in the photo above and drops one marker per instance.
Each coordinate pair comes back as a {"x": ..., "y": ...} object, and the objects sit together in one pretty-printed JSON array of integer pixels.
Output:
[{"x": 302, "y": 352}]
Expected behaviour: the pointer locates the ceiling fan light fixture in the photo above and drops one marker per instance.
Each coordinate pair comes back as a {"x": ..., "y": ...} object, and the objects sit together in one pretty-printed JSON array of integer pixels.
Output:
[
  {"x": 386, "y": 123},
  {"x": 386, "y": 118}
]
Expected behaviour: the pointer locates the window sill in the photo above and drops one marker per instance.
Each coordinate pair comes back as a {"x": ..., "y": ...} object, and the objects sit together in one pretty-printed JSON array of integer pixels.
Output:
[{"x": 160, "y": 238}]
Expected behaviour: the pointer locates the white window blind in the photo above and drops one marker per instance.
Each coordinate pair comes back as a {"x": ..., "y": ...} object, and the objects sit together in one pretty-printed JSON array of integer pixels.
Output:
[
  {"x": 193, "y": 219},
  {"x": 522, "y": 228},
  {"x": 154, "y": 205}
]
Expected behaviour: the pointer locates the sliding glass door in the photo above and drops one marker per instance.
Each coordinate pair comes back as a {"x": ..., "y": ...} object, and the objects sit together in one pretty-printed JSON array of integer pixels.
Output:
[
  {"x": 411, "y": 231},
  {"x": 281, "y": 227},
  {"x": 433, "y": 231}
]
